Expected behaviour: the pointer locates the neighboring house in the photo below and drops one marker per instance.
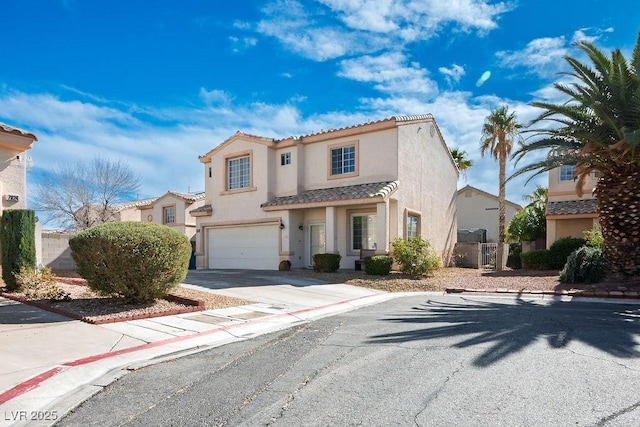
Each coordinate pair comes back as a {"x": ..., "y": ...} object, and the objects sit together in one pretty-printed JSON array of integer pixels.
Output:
[
  {"x": 336, "y": 191},
  {"x": 567, "y": 214},
  {"x": 14, "y": 144},
  {"x": 170, "y": 209},
  {"x": 478, "y": 209}
]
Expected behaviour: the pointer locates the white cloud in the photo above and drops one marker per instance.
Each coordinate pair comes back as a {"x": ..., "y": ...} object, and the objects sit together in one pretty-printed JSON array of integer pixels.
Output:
[
  {"x": 390, "y": 72},
  {"x": 214, "y": 96},
  {"x": 349, "y": 27},
  {"x": 453, "y": 74},
  {"x": 543, "y": 56}
]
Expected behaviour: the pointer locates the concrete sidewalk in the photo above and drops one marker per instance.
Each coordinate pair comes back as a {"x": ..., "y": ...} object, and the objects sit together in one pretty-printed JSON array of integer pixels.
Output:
[{"x": 51, "y": 363}]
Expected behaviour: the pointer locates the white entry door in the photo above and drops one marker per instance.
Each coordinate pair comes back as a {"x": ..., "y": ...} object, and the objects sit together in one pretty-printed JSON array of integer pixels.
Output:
[{"x": 316, "y": 241}]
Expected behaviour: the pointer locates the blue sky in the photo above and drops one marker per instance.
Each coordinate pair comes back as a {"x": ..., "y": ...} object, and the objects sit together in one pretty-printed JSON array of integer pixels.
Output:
[{"x": 158, "y": 83}]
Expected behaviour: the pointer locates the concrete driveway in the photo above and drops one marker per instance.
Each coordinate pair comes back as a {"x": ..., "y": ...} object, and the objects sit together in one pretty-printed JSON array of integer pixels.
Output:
[{"x": 287, "y": 289}]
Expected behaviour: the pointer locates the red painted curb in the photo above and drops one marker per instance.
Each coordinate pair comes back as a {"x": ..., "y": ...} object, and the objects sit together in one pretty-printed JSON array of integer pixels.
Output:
[
  {"x": 34, "y": 382},
  {"x": 28, "y": 385}
]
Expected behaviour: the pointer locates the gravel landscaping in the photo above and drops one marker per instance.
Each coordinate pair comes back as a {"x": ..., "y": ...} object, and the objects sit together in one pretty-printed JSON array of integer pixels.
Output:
[{"x": 84, "y": 304}]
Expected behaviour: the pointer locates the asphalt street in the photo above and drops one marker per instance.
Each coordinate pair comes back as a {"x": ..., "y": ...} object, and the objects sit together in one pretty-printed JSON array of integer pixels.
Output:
[{"x": 419, "y": 360}]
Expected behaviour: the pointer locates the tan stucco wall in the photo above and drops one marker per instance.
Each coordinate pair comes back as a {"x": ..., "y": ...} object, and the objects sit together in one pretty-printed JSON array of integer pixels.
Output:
[
  {"x": 477, "y": 210},
  {"x": 12, "y": 178},
  {"x": 559, "y": 228},
  {"x": 377, "y": 160},
  {"x": 428, "y": 184},
  {"x": 566, "y": 190},
  {"x": 130, "y": 214}
]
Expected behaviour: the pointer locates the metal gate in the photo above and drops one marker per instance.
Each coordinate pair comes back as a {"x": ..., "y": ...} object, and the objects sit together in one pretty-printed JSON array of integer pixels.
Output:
[{"x": 489, "y": 252}]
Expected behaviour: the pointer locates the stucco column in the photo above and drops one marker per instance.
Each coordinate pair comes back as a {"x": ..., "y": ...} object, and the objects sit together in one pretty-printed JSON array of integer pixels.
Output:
[
  {"x": 330, "y": 230},
  {"x": 382, "y": 224},
  {"x": 551, "y": 232}
]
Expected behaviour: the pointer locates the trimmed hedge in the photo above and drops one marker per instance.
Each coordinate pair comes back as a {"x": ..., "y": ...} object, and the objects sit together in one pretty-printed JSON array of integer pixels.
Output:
[
  {"x": 585, "y": 265},
  {"x": 379, "y": 265},
  {"x": 17, "y": 234},
  {"x": 326, "y": 263},
  {"x": 535, "y": 260},
  {"x": 560, "y": 250},
  {"x": 133, "y": 260}
]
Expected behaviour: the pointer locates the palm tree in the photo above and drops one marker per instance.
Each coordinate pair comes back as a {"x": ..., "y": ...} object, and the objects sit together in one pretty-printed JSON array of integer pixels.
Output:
[
  {"x": 498, "y": 132},
  {"x": 598, "y": 129},
  {"x": 461, "y": 160},
  {"x": 538, "y": 199}
]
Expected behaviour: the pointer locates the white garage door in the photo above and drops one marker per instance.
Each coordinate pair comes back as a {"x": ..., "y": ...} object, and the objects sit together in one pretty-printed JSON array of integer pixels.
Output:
[{"x": 252, "y": 247}]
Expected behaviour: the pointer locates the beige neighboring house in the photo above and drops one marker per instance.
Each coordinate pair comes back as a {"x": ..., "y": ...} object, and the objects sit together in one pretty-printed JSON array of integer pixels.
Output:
[
  {"x": 170, "y": 209},
  {"x": 567, "y": 214},
  {"x": 335, "y": 191},
  {"x": 478, "y": 209},
  {"x": 14, "y": 144}
]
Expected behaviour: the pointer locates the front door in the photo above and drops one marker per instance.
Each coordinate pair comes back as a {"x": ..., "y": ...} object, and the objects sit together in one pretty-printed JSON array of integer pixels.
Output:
[{"x": 316, "y": 241}]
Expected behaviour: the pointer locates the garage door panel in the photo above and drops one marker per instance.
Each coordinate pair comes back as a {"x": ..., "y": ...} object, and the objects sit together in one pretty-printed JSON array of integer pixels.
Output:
[{"x": 246, "y": 247}]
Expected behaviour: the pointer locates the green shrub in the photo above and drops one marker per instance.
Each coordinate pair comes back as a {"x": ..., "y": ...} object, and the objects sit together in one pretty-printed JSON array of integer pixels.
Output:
[
  {"x": 560, "y": 250},
  {"x": 40, "y": 284},
  {"x": 513, "y": 260},
  {"x": 17, "y": 235},
  {"x": 133, "y": 260},
  {"x": 594, "y": 237},
  {"x": 584, "y": 265},
  {"x": 535, "y": 260},
  {"x": 414, "y": 256},
  {"x": 379, "y": 265},
  {"x": 326, "y": 263}
]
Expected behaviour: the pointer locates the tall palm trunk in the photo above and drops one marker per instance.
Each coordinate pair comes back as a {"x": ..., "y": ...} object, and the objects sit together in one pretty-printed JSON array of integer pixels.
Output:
[
  {"x": 618, "y": 194},
  {"x": 502, "y": 162}
]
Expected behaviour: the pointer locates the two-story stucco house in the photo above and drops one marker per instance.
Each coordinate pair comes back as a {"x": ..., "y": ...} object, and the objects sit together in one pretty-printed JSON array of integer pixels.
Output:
[
  {"x": 14, "y": 143},
  {"x": 170, "y": 209},
  {"x": 335, "y": 191},
  {"x": 567, "y": 214},
  {"x": 478, "y": 209}
]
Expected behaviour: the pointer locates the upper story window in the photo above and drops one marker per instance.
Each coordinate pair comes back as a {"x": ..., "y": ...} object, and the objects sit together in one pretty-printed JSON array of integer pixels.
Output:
[
  {"x": 343, "y": 160},
  {"x": 566, "y": 172},
  {"x": 169, "y": 215},
  {"x": 285, "y": 158},
  {"x": 238, "y": 173}
]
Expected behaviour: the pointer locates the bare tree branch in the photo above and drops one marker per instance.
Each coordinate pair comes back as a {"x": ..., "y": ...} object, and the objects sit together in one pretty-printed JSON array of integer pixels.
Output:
[{"x": 80, "y": 195}]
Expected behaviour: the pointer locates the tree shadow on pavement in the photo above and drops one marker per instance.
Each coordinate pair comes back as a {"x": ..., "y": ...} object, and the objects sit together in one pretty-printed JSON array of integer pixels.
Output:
[{"x": 503, "y": 329}]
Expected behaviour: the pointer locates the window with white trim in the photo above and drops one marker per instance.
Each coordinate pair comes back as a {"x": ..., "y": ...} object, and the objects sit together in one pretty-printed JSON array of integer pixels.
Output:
[
  {"x": 413, "y": 224},
  {"x": 169, "y": 215},
  {"x": 363, "y": 231},
  {"x": 343, "y": 160},
  {"x": 238, "y": 173},
  {"x": 566, "y": 172},
  {"x": 285, "y": 158}
]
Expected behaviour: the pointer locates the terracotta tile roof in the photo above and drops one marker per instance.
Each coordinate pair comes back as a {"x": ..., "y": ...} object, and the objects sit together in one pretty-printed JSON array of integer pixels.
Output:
[
  {"x": 572, "y": 207},
  {"x": 395, "y": 118},
  {"x": 192, "y": 197},
  {"x": 15, "y": 131},
  {"x": 133, "y": 204},
  {"x": 349, "y": 192},
  {"x": 205, "y": 209}
]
